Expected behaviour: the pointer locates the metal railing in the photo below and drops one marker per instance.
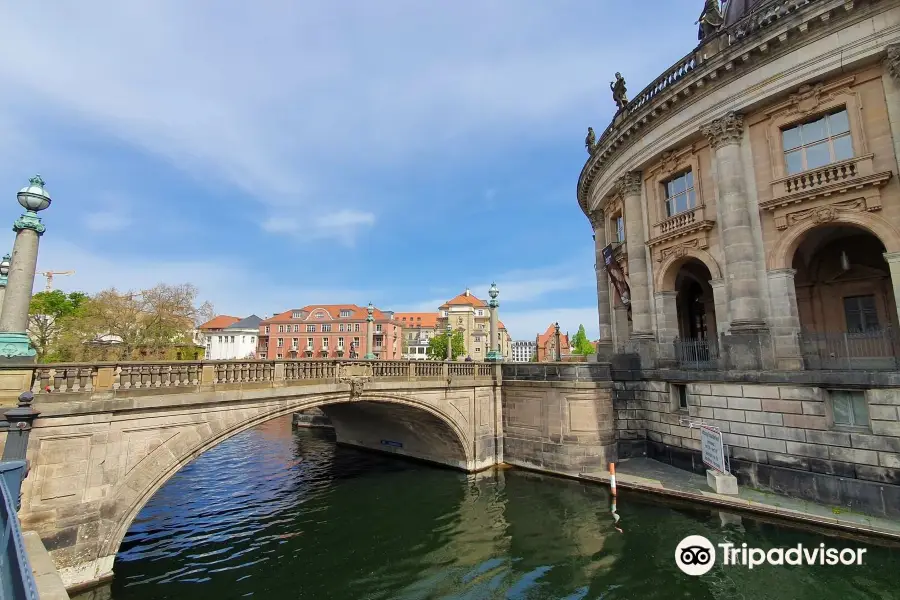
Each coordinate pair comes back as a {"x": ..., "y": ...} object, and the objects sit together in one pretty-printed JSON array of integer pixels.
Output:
[
  {"x": 872, "y": 350},
  {"x": 697, "y": 353},
  {"x": 16, "y": 577}
]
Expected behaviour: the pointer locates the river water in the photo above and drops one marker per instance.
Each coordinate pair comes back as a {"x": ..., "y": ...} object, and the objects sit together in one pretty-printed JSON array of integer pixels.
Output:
[{"x": 282, "y": 514}]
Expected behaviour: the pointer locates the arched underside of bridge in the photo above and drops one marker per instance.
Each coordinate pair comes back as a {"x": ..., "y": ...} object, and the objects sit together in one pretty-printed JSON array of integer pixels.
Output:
[{"x": 141, "y": 456}]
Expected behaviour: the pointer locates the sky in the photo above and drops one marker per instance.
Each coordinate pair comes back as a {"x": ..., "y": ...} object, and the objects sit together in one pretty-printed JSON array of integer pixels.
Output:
[{"x": 278, "y": 153}]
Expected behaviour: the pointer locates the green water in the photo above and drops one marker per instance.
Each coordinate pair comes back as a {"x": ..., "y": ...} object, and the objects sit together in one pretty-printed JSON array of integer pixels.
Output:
[{"x": 276, "y": 514}]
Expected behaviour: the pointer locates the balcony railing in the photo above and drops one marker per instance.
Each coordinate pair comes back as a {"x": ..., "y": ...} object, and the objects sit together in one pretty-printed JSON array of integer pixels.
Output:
[
  {"x": 681, "y": 223},
  {"x": 16, "y": 577},
  {"x": 870, "y": 350},
  {"x": 695, "y": 354},
  {"x": 858, "y": 172}
]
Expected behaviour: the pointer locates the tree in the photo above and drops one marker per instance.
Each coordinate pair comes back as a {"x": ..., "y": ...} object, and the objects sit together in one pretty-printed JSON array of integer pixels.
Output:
[
  {"x": 49, "y": 314},
  {"x": 437, "y": 346},
  {"x": 150, "y": 320},
  {"x": 581, "y": 344}
]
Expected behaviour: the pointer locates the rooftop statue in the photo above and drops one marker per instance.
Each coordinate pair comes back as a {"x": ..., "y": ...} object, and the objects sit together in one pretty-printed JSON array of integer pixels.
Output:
[
  {"x": 590, "y": 142},
  {"x": 619, "y": 92},
  {"x": 735, "y": 10},
  {"x": 711, "y": 19}
]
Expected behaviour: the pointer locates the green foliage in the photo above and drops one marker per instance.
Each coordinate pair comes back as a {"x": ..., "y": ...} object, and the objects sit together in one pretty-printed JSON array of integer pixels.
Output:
[
  {"x": 49, "y": 314},
  {"x": 437, "y": 346},
  {"x": 581, "y": 344}
]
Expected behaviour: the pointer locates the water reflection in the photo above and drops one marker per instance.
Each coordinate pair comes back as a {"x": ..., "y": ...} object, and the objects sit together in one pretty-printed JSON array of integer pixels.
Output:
[{"x": 279, "y": 514}]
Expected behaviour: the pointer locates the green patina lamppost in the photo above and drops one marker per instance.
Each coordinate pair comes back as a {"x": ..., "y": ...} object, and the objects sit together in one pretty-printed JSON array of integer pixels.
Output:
[
  {"x": 14, "y": 342},
  {"x": 494, "y": 353},
  {"x": 449, "y": 339},
  {"x": 370, "y": 332},
  {"x": 4, "y": 278}
]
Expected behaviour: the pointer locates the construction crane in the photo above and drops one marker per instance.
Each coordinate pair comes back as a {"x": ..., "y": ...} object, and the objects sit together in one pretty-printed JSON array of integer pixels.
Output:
[{"x": 49, "y": 275}]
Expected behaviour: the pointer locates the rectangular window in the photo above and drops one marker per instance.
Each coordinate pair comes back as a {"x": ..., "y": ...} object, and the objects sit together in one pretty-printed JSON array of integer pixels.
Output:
[
  {"x": 817, "y": 143},
  {"x": 340, "y": 342},
  {"x": 324, "y": 343},
  {"x": 378, "y": 328},
  {"x": 243, "y": 339},
  {"x": 849, "y": 409},
  {"x": 310, "y": 329},
  {"x": 281, "y": 329},
  {"x": 309, "y": 343},
  {"x": 295, "y": 342},
  {"x": 232, "y": 339},
  {"x": 860, "y": 313},
  {"x": 326, "y": 327},
  {"x": 680, "y": 195},
  {"x": 341, "y": 327},
  {"x": 356, "y": 327},
  {"x": 296, "y": 328},
  {"x": 280, "y": 342},
  {"x": 619, "y": 223},
  {"x": 679, "y": 396},
  {"x": 262, "y": 355},
  {"x": 480, "y": 312},
  {"x": 278, "y": 355},
  {"x": 356, "y": 341},
  {"x": 296, "y": 314},
  {"x": 346, "y": 313}
]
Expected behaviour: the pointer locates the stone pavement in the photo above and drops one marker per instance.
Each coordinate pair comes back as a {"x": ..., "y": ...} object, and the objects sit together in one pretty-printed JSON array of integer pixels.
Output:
[{"x": 648, "y": 475}]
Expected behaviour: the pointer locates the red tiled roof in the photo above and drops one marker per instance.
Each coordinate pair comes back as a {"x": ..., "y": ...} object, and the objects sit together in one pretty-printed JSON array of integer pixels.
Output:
[
  {"x": 332, "y": 311},
  {"x": 465, "y": 298},
  {"x": 219, "y": 322},
  {"x": 412, "y": 320},
  {"x": 545, "y": 337}
]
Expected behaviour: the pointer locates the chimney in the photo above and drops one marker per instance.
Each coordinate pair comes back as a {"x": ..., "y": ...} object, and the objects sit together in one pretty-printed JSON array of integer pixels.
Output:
[{"x": 467, "y": 292}]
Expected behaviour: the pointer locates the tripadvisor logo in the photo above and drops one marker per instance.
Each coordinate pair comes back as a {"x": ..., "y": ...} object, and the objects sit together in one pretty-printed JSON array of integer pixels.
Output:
[{"x": 695, "y": 555}]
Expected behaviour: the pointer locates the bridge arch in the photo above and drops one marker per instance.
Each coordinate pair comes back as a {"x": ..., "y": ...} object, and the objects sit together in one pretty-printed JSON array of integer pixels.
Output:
[{"x": 427, "y": 421}]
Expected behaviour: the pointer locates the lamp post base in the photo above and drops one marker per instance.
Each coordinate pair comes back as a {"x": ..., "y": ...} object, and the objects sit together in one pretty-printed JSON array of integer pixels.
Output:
[
  {"x": 494, "y": 356},
  {"x": 16, "y": 347},
  {"x": 369, "y": 356}
]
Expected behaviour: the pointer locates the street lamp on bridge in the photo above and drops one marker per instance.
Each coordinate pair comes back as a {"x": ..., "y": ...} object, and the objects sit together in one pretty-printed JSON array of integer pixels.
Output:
[
  {"x": 14, "y": 342},
  {"x": 370, "y": 332},
  {"x": 449, "y": 339}
]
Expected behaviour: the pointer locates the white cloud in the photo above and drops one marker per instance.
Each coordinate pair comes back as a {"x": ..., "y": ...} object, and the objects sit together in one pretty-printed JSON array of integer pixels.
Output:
[
  {"x": 105, "y": 221},
  {"x": 343, "y": 225}
]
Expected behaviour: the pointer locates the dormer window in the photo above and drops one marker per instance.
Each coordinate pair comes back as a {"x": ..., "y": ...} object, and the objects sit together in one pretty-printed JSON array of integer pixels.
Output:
[
  {"x": 296, "y": 314},
  {"x": 320, "y": 315},
  {"x": 817, "y": 143},
  {"x": 346, "y": 313},
  {"x": 680, "y": 194}
]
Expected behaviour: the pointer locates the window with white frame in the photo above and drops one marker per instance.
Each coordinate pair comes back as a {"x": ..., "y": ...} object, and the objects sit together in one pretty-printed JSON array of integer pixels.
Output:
[
  {"x": 817, "y": 143},
  {"x": 296, "y": 329},
  {"x": 619, "y": 226},
  {"x": 320, "y": 315},
  {"x": 267, "y": 329},
  {"x": 680, "y": 194},
  {"x": 325, "y": 343},
  {"x": 480, "y": 312},
  {"x": 281, "y": 342},
  {"x": 378, "y": 328},
  {"x": 346, "y": 313},
  {"x": 309, "y": 343},
  {"x": 356, "y": 342},
  {"x": 295, "y": 342},
  {"x": 281, "y": 329},
  {"x": 849, "y": 408},
  {"x": 310, "y": 329},
  {"x": 278, "y": 355},
  {"x": 341, "y": 327},
  {"x": 356, "y": 327},
  {"x": 296, "y": 314},
  {"x": 326, "y": 327},
  {"x": 341, "y": 342}
]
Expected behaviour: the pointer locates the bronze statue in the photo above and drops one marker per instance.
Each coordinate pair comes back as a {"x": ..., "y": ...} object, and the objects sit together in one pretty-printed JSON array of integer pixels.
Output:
[
  {"x": 590, "y": 142},
  {"x": 619, "y": 92},
  {"x": 711, "y": 19}
]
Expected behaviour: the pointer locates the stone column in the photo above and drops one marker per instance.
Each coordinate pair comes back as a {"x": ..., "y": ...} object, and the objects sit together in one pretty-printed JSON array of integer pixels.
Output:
[
  {"x": 892, "y": 95},
  {"x": 893, "y": 260},
  {"x": 604, "y": 312},
  {"x": 666, "y": 325},
  {"x": 370, "y": 332},
  {"x": 558, "y": 357},
  {"x": 720, "y": 299},
  {"x": 495, "y": 351},
  {"x": 785, "y": 319},
  {"x": 630, "y": 188},
  {"x": 747, "y": 344},
  {"x": 449, "y": 339}
]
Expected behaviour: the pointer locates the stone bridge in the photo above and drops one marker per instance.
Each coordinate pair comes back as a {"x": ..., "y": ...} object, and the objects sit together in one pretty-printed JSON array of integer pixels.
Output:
[{"x": 109, "y": 435}]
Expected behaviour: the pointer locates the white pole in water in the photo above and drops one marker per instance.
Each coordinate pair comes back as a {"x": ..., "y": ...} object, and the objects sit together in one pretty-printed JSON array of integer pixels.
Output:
[{"x": 612, "y": 478}]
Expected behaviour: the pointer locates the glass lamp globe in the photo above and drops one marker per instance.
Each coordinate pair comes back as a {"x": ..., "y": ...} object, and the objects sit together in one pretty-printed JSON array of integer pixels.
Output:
[
  {"x": 494, "y": 292},
  {"x": 4, "y": 266},
  {"x": 34, "y": 197}
]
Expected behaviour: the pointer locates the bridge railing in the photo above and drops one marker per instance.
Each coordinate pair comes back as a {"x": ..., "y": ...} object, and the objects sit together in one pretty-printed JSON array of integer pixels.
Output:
[
  {"x": 16, "y": 577},
  {"x": 124, "y": 376}
]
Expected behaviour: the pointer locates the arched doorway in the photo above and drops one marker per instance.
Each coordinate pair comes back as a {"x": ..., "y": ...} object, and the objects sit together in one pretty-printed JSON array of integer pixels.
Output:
[
  {"x": 696, "y": 313},
  {"x": 845, "y": 299}
]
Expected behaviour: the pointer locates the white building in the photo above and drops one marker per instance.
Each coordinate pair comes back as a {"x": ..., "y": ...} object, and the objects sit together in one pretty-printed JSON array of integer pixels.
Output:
[
  {"x": 523, "y": 350},
  {"x": 229, "y": 338}
]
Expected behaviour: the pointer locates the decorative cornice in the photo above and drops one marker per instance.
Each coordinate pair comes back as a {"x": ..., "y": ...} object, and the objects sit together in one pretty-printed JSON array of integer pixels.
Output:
[
  {"x": 746, "y": 46},
  {"x": 629, "y": 183},
  {"x": 29, "y": 220},
  {"x": 892, "y": 61},
  {"x": 596, "y": 218},
  {"x": 725, "y": 130}
]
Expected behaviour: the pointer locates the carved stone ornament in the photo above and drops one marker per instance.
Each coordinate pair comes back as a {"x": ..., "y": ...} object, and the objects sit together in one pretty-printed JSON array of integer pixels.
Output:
[
  {"x": 820, "y": 214},
  {"x": 669, "y": 162},
  {"x": 629, "y": 183},
  {"x": 596, "y": 218},
  {"x": 725, "y": 130},
  {"x": 892, "y": 61},
  {"x": 357, "y": 386},
  {"x": 678, "y": 250}
]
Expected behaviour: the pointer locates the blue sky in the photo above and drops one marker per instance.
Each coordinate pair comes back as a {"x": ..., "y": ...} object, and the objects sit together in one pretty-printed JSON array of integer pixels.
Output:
[{"x": 279, "y": 153}]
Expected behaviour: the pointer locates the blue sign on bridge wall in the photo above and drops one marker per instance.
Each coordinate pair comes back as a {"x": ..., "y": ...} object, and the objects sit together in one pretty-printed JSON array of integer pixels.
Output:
[{"x": 391, "y": 443}]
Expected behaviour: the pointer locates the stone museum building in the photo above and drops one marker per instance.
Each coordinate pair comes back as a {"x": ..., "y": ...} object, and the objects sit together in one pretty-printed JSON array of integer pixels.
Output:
[{"x": 746, "y": 215}]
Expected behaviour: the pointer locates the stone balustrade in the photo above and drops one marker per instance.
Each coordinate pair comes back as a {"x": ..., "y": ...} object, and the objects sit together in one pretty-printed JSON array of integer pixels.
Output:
[
  {"x": 857, "y": 173},
  {"x": 691, "y": 220},
  {"x": 123, "y": 376}
]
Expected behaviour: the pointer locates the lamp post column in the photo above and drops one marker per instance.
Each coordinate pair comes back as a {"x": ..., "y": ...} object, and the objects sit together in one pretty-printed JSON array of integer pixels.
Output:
[
  {"x": 14, "y": 342},
  {"x": 556, "y": 339},
  {"x": 370, "y": 332},
  {"x": 449, "y": 339},
  {"x": 494, "y": 353},
  {"x": 4, "y": 278}
]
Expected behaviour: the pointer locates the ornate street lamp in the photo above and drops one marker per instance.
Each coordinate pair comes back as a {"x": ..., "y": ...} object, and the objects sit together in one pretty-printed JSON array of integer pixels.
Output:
[
  {"x": 494, "y": 354},
  {"x": 449, "y": 339},
  {"x": 4, "y": 277},
  {"x": 14, "y": 342},
  {"x": 370, "y": 332},
  {"x": 558, "y": 346}
]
